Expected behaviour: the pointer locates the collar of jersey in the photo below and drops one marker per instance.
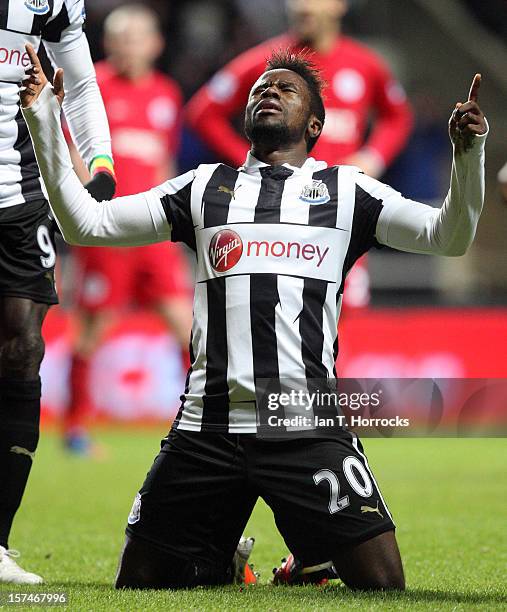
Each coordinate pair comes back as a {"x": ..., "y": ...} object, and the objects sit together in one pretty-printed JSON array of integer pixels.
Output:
[{"x": 252, "y": 165}]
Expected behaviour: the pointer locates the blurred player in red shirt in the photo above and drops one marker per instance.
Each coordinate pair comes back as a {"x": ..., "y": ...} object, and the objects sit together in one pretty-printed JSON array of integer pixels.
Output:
[
  {"x": 143, "y": 108},
  {"x": 360, "y": 87}
]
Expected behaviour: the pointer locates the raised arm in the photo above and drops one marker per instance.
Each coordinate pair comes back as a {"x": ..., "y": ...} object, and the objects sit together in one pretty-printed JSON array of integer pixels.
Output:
[
  {"x": 128, "y": 221},
  {"x": 67, "y": 48},
  {"x": 415, "y": 227}
]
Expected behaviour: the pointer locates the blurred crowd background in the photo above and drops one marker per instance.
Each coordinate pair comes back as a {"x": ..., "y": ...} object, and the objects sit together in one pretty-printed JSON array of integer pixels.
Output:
[{"x": 418, "y": 321}]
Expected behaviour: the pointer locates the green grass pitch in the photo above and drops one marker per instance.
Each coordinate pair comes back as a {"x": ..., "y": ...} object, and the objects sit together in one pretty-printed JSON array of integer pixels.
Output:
[{"x": 448, "y": 498}]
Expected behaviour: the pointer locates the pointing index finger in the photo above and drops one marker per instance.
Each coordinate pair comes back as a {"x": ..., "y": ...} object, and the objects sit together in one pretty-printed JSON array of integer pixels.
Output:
[
  {"x": 34, "y": 58},
  {"x": 474, "y": 88}
]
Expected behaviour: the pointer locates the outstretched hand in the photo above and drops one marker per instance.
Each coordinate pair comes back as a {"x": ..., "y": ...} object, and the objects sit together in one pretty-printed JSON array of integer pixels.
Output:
[
  {"x": 35, "y": 81},
  {"x": 467, "y": 120}
]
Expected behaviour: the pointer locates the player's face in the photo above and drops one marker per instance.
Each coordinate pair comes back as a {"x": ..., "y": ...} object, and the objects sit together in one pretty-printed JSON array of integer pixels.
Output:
[
  {"x": 278, "y": 109},
  {"x": 310, "y": 18},
  {"x": 134, "y": 48}
]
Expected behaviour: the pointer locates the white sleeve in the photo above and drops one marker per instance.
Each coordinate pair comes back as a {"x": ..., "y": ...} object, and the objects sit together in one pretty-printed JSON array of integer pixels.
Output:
[
  {"x": 128, "y": 221},
  {"x": 407, "y": 225},
  {"x": 68, "y": 48}
]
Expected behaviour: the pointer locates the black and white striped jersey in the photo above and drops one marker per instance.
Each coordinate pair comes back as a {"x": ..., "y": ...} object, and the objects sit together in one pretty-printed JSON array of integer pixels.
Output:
[
  {"x": 273, "y": 245},
  {"x": 59, "y": 24}
]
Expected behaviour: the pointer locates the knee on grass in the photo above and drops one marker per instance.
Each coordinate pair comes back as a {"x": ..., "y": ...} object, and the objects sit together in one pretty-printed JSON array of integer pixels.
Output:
[
  {"x": 381, "y": 582},
  {"x": 145, "y": 567}
]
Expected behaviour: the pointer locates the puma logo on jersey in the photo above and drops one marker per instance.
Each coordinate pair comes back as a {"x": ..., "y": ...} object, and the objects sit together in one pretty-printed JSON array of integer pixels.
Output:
[
  {"x": 231, "y": 192},
  {"x": 365, "y": 509},
  {"x": 40, "y": 7},
  {"x": 19, "y": 450}
]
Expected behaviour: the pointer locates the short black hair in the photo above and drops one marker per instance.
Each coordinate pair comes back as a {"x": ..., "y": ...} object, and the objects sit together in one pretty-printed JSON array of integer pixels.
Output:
[{"x": 300, "y": 63}]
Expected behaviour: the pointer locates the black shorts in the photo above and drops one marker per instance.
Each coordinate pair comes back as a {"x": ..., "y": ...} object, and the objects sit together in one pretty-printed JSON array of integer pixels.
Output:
[
  {"x": 202, "y": 487},
  {"x": 28, "y": 252}
]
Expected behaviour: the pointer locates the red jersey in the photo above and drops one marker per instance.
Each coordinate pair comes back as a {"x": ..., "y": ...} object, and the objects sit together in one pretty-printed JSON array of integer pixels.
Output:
[
  {"x": 144, "y": 119},
  {"x": 359, "y": 85}
]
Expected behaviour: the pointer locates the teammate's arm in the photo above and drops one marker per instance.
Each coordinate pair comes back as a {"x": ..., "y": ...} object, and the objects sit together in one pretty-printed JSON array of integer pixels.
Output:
[
  {"x": 127, "y": 221},
  {"x": 84, "y": 110},
  {"x": 415, "y": 227}
]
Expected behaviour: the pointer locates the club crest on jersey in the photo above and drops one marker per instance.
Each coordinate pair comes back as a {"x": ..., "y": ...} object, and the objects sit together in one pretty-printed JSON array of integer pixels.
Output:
[
  {"x": 225, "y": 250},
  {"x": 316, "y": 193},
  {"x": 40, "y": 7}
]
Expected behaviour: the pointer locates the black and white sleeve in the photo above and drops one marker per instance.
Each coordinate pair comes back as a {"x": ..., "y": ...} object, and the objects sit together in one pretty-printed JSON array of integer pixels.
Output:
[
  {"x": 367, "y": 209},
  {"x": 175, "y": 197}
]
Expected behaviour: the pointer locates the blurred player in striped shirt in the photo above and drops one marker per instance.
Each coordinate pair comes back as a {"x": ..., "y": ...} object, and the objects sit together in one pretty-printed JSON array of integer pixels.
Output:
[{"x": 27, "y": 248}]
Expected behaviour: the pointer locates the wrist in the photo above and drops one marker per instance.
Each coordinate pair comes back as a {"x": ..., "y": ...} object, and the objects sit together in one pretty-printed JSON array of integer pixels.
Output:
[
  {"x": 102, "y": 163},
  {"x": 476, "y": 146}
]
